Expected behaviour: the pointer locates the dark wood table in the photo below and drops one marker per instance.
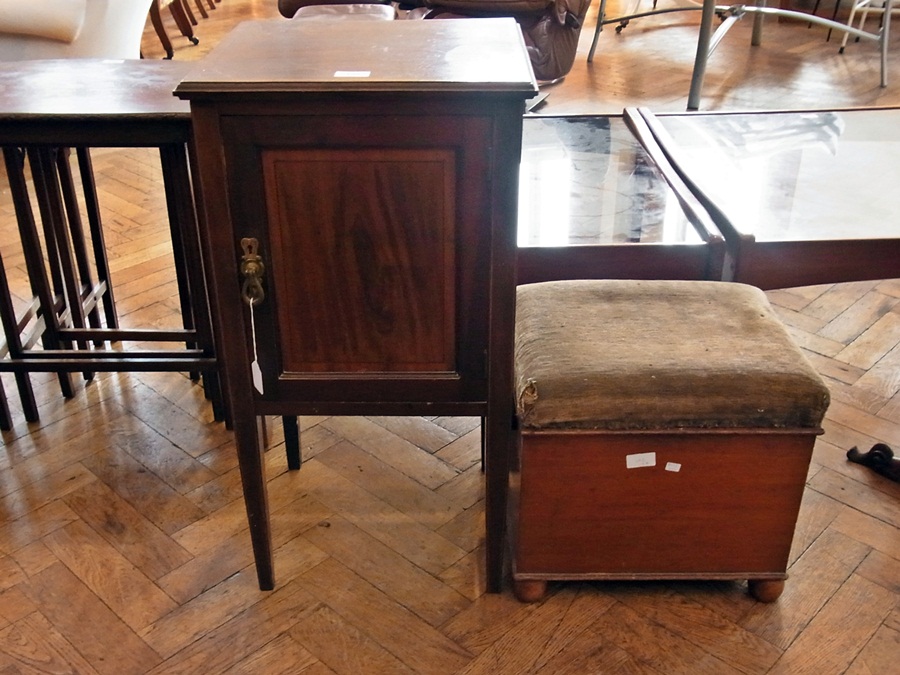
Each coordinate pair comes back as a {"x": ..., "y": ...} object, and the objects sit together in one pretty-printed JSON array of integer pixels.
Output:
[{"x": 47, "y": 108}]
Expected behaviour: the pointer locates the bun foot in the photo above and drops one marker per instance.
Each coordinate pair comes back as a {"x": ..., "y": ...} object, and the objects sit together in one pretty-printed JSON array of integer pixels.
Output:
[
  {"x": 530, "y": 590},
  {"x": 766, "y": 590}
]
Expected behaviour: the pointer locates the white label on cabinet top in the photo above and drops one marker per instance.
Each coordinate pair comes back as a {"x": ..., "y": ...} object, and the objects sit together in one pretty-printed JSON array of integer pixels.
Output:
[
  {"x": 673, "y": 466},
  {"x": 353, "y": 73},
  {"x": 640, "y": 459}
]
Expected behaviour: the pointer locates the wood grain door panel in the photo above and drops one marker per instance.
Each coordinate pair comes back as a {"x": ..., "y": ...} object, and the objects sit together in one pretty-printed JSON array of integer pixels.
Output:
[
  {"x": 363, "y": 258},
  {"x": 377, "y": 234}
]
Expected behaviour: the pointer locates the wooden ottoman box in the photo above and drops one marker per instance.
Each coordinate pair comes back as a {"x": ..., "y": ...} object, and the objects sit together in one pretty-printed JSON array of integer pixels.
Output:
[{"x": 665, "y": 432}]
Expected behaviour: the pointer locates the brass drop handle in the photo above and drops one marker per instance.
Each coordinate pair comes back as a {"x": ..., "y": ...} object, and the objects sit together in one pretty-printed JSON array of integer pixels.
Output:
[{"x": 252, "y": 270}]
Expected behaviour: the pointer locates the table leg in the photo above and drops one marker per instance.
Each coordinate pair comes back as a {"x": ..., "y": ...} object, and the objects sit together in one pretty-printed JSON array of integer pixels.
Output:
[
  {"x": 13, "y": 347},
  {"x": 34, "y": 258},
  {"x": 59, "y": 248},
  {"x": 76, "y": 231},
  {"x": 597, "y": 30},
  {"x": 175, "y": 180},
  {"x": 703, "y": 40},
  {"x": 98, "y": 242},
  {"x": 756, "y": 36},
  {"x": 5, "y": 418},
  {"x": 184, "y": 230}
]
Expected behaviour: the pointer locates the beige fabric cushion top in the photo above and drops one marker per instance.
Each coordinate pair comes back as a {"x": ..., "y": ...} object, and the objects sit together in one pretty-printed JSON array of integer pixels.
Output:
[{"x": 659, "y": 355}]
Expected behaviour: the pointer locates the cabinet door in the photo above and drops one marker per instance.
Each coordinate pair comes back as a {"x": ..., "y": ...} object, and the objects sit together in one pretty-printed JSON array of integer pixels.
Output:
[{"x": 376, "y": 233}]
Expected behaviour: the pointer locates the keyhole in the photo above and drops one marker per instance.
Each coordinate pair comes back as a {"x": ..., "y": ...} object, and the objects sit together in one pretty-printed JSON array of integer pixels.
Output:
[{"x": 250, "y": 245}]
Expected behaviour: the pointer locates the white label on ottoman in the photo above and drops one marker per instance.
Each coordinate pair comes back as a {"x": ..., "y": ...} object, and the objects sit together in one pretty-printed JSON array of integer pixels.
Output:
[
  {"x": 673, "y": 466},
  {"x": 640, "y": 459},
  {"x": 353, "y": 73}
]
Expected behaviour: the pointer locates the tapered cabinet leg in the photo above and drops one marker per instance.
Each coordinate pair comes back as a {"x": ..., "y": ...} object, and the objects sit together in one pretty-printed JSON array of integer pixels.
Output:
[
  {"x": 292, "y": 442},
  {"x": 251, "y": 461},
  {"x": 498, "y": 432}
]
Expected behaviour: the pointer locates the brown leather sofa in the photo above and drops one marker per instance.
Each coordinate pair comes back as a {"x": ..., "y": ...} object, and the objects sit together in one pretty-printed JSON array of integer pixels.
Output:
[{"x": 550, "y": 27}]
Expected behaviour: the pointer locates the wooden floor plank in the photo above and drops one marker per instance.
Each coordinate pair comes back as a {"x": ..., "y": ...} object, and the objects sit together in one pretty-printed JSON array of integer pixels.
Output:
[
  {"x": 650, "y": 643},
  {"x": 128, "y": 592},
  {"x": 403, "y": 493},
  {"x": 879, "y": 339},
  {"x": 814, "y": 579},
  {"x": 216, "y": 606},
  {"x": 403, "y": 533},
  {"x": 15, "y": 605},
  {"x": 413, "y": 641},
  {"x": 343, "y": 648},
  {"x": 281, "y": 656},
  {"x": 33, "y": 645},
  {"x": 52, "y": 487},
  {"x": 859, "y": 495},
  {"x": 864, "y": 528},
  {"x": 715, "y": 635},
  {"x": 592, "y": 653},
  {"x": 870, "y": 308},
  {"x": 243, "y": 635},
  {"x": 542, "y": 635},
  {"x": 831, "y": 643},
  {"x": 403, "y": 456},
  {"x": 145, "y": 491},
  {"x": 879, "y": 655},
  {"x": 120, "y": 524},
  {"x": 467, "y": 575},
  {"x": 108, "y": 644},
  {"x": 386, "y": 570}
]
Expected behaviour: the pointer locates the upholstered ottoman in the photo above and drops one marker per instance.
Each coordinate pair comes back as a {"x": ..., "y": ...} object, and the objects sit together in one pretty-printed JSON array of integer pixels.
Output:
[{"x": 665, "y": 432}]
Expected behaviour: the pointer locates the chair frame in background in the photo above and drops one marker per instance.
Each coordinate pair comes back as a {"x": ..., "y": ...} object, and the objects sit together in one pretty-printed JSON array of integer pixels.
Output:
[
  {"x": 865, "y": 7},
  {"x": 707, "y": 40}
]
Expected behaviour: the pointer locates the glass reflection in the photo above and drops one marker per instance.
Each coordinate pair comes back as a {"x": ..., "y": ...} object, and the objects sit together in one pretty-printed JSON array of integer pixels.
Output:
[
  {"x": 796, "y": 176},
  {"x": 587, "y": 181}
]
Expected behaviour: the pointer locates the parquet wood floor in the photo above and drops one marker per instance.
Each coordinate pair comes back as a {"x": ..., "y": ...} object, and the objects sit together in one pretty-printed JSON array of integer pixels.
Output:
[{"x": 123, "y": 544}]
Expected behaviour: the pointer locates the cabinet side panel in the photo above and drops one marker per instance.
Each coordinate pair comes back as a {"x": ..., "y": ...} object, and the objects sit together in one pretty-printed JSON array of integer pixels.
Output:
[{"x": 363, "y": 258}]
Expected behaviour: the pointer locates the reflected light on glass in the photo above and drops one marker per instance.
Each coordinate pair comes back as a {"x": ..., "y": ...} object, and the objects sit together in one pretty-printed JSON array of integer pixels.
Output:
[
  {"x": 747, "y": 194},
  {"x": 675, "y": 227},
  {"x": 544, "y": 198}
]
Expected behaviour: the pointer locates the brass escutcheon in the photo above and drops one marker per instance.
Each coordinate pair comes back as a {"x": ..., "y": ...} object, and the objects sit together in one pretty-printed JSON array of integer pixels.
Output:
[{"x": 252, "y": 270}]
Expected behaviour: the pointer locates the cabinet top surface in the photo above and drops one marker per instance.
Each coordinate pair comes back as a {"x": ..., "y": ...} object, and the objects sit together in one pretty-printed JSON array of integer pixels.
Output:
[{"x": 273, "y": 56}]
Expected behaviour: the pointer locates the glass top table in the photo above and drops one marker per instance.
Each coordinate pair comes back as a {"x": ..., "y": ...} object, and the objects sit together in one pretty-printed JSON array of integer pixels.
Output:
[
  {"x": 799, "y": 198},
  {"x": 594, "y": 203},
  {"x": 803, "y": 198},
  {"x": 793, "y": 176},
  {"x": 587, "y": 181}
]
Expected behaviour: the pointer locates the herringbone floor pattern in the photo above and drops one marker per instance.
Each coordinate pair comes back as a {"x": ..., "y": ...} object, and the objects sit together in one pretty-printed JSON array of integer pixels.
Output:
[{"x": 123, "y": 544}]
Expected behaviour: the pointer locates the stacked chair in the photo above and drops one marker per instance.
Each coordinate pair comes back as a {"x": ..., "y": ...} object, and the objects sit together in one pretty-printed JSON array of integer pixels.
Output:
[{"x": 184, "y": 18}]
